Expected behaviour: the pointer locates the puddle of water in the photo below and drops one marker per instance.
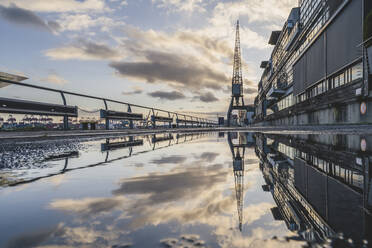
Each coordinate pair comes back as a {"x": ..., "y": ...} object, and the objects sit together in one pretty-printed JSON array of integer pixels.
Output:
[{"x": 199, "y": 190}]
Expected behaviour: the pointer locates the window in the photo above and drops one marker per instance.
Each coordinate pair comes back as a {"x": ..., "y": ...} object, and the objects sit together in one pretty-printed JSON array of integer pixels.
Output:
[
  {"x": 331, "y": 83},
  {"x": 286, "y": 102},
  {"x": 337, "y": 81},
  {"x": 342, "y": 79},
  {"x": 348, "y": 76},
  {"x": 320, "y": 88},
  {"x": 357, "y": 72}
]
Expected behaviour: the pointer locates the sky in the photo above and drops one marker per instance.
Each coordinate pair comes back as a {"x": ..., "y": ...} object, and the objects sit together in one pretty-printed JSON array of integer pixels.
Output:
[{"x": 172, "y": 54}]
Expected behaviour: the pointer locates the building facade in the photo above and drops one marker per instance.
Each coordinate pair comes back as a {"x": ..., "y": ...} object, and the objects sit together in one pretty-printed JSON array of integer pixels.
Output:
[{"x": 320, "y": 68}]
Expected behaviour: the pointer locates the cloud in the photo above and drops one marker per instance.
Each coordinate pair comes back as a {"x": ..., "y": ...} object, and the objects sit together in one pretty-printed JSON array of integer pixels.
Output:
[
  {"x": 177, "y": 70},
  {"x": 80, "y": 21},
  {"x": 208, "y": 156},
  {"x": 188, "y": 195},
  {"x": 87, "y": 206},
  {"x": 35, "y": 238},
  {"x": 251, "y": 161},
  {"x": 249, "y": 91},
  {"x": 84, "y": 50},
  {"x": 167, "y": 95},
  {"x": 156, "y": 186},
  {"x": 185, "y": 240},
  {"x": 256, "y": 11},
  {"x": 194, "y": 42},
  {"x": 57, "y": 5},
  {"x": 174, "y": 159},
  {"x": 206, "y": 97},
  {"x": 135, "y": 91},
  {"x": 250, "y": 83},
  {"x": 54, "y": 79},
  {"x": 184, "y": 60},
  {"x": 25, "y": 17},
  {"x": 181, "y": 5},
  {"x": 54, "y": 26}
]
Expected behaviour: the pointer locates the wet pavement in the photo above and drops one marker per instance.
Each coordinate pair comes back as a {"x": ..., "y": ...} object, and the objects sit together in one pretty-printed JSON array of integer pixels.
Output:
[
  {"x": 30, "y": 136},
  {"x": 188, "y": 190}
]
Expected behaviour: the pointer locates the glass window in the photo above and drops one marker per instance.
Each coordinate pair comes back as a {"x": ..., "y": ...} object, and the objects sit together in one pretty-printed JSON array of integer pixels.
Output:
[
  {"x": 337, "y": 82},
  {"x": 357, "y": 72},
  {"x": 320, "y": 88},
  {"x": 342, "y": 79},
  {"x": 347, "y": 76}
]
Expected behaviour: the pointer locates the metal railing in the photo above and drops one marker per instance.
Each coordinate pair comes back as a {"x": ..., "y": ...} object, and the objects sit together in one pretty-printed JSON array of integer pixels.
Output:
[{"x": 148, "y": 121}]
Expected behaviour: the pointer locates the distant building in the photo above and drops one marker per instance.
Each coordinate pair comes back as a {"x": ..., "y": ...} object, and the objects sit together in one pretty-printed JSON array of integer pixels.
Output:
[{"x": 320, "y": 68}]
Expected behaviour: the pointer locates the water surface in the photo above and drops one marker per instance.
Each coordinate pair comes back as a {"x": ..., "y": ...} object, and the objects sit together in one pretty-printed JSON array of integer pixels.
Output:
[{"x": 195, "y": 190}]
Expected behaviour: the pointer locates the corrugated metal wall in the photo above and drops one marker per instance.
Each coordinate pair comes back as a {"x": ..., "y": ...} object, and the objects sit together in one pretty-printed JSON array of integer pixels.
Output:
[
  {"x": 342, "y": 39},
  {"x": 344, "y": 36}
]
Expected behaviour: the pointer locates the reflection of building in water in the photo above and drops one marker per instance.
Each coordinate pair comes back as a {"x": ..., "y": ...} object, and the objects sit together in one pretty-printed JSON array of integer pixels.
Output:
[
  {"x": 238, "y": 152},
  {"x": 321, "y": 184}
]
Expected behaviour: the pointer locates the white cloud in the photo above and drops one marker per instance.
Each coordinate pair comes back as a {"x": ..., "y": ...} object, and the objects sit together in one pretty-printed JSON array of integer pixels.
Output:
[
  {"x": 76, "y": 22},
  {"x": 181, "y": 5},
  {"x": 54, "y": 79},
  {"x": 270, "y": 11},
  {"x": 57, "y": 5},
  {"x": 257, "y": 12},
  {"x": 84, "y": 50}
]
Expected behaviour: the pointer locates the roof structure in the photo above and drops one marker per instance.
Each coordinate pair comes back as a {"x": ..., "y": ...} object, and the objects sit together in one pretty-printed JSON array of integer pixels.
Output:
[
  {"x": 274, "y": 37},
  {"x": 12, "y": 77}
]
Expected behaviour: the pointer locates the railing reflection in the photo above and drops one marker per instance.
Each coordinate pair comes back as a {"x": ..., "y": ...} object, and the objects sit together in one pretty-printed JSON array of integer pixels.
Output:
[{"x": 148, "y": 142}]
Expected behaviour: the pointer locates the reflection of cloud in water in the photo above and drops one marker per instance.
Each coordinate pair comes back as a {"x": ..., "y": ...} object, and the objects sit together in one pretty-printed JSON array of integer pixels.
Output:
[
  {"x": 251, "y": 161},
  {"x": 139, "y": 165},
  {"x": 208, "y": 156},
  {"x": 173, "y": 159},
  {"x": 57, "y": 180},
  {"x": 87, "y": 207},
  {"x": 36, "y": 238},
  {"x": 173, "y": 186},
  {"x": 185, "y": 240},
  {"x": 189, "y": 195}
]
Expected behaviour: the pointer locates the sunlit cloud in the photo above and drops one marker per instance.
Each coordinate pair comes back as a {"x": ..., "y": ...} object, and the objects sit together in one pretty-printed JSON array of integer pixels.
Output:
[
  {"x": 84, "y": 50},
  {"x": 80, "y": 21},
  {"x": 181, "y": 5},
  {"x": 54, "y": 79},
  {"x": 57, "y": 5}
]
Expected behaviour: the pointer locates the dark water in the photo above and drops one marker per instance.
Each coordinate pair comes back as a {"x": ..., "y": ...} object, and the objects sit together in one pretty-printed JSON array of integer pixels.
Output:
[{"x": 200, "y": 190}]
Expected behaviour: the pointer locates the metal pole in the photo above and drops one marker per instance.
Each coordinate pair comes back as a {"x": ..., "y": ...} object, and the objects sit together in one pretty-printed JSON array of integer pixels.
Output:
[
  {"x": 153, "y": 119},
  {"x": 177, "y": 121},
  {"x": 107, "y": 120},
  {"x": 170, "y": 123},
  {"x": 65, "y": 117},
  {"x": 130, "y": 121}
]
